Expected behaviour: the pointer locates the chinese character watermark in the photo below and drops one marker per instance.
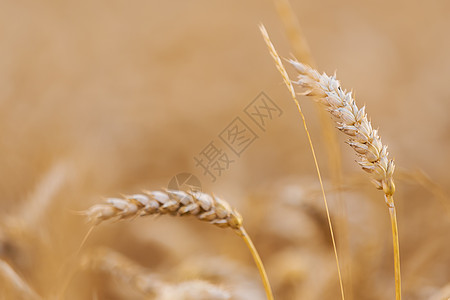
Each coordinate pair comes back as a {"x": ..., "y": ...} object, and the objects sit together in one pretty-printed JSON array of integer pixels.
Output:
[
  {"x": 262, "y": 110},
  {"x": 216, "y": 157},
  {"x": 185, "y": 182},
  {"x": 238, "y": 136},
  {"x": 213, "y": 161}
]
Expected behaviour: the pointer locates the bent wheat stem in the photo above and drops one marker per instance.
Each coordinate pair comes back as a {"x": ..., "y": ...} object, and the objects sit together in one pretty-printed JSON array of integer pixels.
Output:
[{"x": 262, "y": 272}]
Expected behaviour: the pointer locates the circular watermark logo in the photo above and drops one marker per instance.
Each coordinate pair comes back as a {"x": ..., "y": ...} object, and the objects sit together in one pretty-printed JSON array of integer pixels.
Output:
[{"x": 185, "y": 182}]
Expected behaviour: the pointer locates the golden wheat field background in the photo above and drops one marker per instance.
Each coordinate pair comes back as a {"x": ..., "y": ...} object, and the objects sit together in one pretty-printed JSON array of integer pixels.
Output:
[{"x": 110, "y": 98}]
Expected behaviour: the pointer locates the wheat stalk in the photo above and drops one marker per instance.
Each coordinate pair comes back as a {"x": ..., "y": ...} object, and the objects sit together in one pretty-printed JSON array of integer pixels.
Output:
[
  {"x": 204, "y": 207},
  {"x": 302, "y": 52},
  {"x": 364, "y": 140},
  {"x": 288, "y": 83}
]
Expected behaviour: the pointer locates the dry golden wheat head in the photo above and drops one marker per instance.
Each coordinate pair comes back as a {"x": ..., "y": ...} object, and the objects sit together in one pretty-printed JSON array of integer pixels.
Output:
[
  {"x": 172, "y": 202},
  {"x": 352, "y": 121}
]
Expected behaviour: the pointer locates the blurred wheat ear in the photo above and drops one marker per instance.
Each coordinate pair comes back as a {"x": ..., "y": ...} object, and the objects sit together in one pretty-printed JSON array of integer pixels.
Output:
[
  {"x": 146, "y": 283},
  {"x": 16, "y": 283},
  {"x": 179, "y": 203},
  {"x": 353, "y": 121}
]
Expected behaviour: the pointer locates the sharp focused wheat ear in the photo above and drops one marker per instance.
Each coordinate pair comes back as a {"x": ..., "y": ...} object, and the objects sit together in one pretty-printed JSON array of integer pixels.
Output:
[
  {"x": 364, "y": 140},
  {"x": 353, "y": 122},
  {"x": 178, "y": 203}
]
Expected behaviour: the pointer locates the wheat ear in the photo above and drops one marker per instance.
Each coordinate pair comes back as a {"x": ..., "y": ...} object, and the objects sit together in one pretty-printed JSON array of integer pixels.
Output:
[
  {"x": 179, "y": 203},
  {"x": 288, "y": 83},
  {"x": 364, "y": 140}
]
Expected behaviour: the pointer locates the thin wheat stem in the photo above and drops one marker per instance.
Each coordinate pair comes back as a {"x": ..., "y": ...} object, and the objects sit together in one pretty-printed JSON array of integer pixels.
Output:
[
  {"x": 393, "y": 215},
  {"x": 69, "y": 275},
  {"x": 262, "y": 272},
  {"x": 302, "y": 51},
  {"x": 324, "y": 198},
  {"x": 288, "y": 83}
]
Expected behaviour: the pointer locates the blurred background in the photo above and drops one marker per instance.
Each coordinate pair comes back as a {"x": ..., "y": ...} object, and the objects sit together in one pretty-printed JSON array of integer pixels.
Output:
[{"x": 103, "y": 98}]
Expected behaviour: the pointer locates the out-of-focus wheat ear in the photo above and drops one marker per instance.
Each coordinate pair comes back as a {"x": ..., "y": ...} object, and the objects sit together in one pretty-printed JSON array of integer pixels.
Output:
[
  {"x": 287, "y": 81},
  {"x": 26, "y": 221},
  {"x": 120, "y": 267},
  {"x": 24, "y": 291},
  {"x": 193, "y": 290},
  {"x": 365, "y": 141},
  {"x": 203, "y": 206},
  {"x": 40, "y": 200},
  {"x": 441, "y": 294},
  {"x": 147, "y": 283}
]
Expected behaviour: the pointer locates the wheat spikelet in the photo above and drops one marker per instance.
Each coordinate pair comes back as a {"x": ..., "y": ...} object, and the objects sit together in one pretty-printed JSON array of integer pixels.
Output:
[
  {"x": 171, "y": 202},
  {"x": 352, "y": 121}
]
